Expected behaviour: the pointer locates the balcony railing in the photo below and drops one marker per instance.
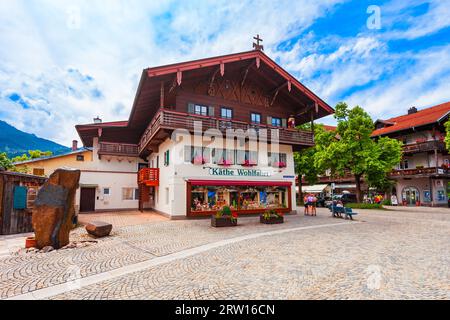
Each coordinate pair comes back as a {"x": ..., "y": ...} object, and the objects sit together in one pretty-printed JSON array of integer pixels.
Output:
[
  {"x": 149, "y": 177},
  {"x": 419, "y": 171},
  {"x": 171, "y": 120},
  {"x": 424, "y": 146},
  {"x": 118, "y": 149}
]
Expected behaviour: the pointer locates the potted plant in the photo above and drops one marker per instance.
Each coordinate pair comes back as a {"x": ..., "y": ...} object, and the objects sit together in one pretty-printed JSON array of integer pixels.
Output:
[
  {"x": 271, "y": 217},
  {"x": 224, "y": 218}
]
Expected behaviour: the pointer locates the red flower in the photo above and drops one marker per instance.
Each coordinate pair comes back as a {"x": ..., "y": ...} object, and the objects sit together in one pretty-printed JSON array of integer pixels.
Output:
[{"x": 234, "y": 215}]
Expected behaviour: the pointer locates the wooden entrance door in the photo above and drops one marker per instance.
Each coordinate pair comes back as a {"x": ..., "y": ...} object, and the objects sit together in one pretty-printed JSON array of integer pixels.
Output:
[{"x": 87, "y": 199}]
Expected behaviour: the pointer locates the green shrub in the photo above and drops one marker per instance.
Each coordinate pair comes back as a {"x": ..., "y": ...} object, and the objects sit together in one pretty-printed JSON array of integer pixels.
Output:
[
  {"x": 364, "y": 205},
  {"x": 386, "y": 202}
]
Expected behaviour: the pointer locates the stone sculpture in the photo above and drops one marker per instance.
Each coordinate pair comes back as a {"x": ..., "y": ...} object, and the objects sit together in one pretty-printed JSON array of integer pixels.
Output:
[{"x": 54, "y": 210}]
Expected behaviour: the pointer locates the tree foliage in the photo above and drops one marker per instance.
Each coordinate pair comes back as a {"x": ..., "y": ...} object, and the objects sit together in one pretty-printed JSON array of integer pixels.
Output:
[
  {"x": 355, "y": 152},
  {"x": 32, "y": 154},
  {"x": 447, "y": 135},
  {"x": 5, "y": 162}
]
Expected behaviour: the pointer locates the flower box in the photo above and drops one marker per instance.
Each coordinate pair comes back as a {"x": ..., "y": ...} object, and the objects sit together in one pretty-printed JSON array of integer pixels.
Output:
[
  {"x": 225, "y": 163},
  {"x": 249, "y": 163},
  {"x": 272, "y": 219},
  {"x": 280, "y": 164},
  {"x": 223, "y": 221},
  {"x": 200, "y": 160}
]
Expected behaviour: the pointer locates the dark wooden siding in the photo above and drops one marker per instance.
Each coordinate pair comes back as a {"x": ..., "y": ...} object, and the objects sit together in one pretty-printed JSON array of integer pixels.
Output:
[
  {"x": 241, "y": 111},
  {"x": 12, "y": 220}
]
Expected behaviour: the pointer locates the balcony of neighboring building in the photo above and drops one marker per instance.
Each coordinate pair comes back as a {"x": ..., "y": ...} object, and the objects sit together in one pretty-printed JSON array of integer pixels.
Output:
[
  {"x": 423, "y": 145},
  {"x": 166, "y": 121},
  {"x": 149, "y": 177},
  {"x": 420, "y": 171},
  {"x": 118, "y": 149}
]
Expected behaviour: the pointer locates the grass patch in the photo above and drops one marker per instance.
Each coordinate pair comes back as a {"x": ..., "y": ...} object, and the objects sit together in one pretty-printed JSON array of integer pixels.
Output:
[{"x": 365, "y": 206}]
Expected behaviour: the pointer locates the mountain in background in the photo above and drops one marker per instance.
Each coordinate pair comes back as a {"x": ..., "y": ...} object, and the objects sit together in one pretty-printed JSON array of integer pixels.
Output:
[{"x": 15, "y": 142}]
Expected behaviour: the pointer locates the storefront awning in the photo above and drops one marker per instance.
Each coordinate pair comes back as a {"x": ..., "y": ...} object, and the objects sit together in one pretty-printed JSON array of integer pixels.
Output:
[
  {"x": 317, "y": 188},
  {"x": 239, "y": 183}
]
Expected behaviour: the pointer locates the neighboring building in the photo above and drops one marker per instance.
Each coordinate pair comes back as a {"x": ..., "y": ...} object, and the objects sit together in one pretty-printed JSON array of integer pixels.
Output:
[
  {"x": 423, "y": 175},
  {"x": 17, "y": 194},
  {"x": 116, "y": 168},
  {"x": 182, "y": 179}
]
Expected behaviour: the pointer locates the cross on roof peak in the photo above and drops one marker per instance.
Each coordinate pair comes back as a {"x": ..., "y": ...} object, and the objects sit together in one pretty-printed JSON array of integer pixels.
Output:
[{"x": 257, "y": 45}]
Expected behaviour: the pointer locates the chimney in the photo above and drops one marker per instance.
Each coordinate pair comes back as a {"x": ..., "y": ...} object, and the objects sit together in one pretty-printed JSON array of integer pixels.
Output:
[
  {"x": 412, "y": 110},
  {"x": 97, "y": 120},
  {"x": 74, "y": 145}
]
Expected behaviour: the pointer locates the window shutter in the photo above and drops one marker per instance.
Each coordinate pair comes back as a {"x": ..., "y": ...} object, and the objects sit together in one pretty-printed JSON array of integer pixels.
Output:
[
  {"x": 284, "y": 123},
  {"x": 269, "y": 121},
  {"x": 166, "y": 158},
  {"x": 211, "y": 111},
  {"x": 20, "y": 197},
  {"x": 191, "y": 108}
]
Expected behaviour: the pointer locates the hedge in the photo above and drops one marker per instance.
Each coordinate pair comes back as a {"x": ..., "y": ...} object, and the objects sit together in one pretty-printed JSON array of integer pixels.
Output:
[{"x": 364, "y": 206}]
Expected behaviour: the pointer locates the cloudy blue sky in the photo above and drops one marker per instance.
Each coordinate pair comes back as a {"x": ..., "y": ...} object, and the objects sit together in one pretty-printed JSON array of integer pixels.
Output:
[{"x": 65, "y": 62}]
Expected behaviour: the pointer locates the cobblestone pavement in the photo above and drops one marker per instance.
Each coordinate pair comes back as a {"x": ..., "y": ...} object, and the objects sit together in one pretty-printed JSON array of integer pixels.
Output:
[
  {"x": 389, "y": 255},
  {"x": 121, "y": 219}
]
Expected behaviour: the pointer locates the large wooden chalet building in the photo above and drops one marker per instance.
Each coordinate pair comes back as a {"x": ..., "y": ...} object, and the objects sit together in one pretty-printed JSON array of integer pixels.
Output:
[{"x": 136, "y": 163}]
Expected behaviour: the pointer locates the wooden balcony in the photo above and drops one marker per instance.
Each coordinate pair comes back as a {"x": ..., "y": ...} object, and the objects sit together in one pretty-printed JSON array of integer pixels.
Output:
[
  {"x": 419, "y": 172},
  {"x": 424, "y": 146},
  {"x": 149, "y": 177},
  {"x": 118, "y": 149},
  {"x": 167, "y": 120}
]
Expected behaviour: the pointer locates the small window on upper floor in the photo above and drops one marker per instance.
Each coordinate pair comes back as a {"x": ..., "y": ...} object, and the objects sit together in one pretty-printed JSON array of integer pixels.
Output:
[
  {"x": 255, "y": 118},
  {"x": 200, "y": 110},
  {"x": 106, "y": 191},
  {"x": 276, "y": 122},
  {"x": 80, "y": 157},
  {"x": 38, "y": 171},
  {"x": 226, "y": 113}
]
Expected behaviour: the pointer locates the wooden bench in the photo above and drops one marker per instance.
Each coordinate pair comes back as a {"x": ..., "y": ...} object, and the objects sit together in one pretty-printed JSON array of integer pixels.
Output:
[{"x": 337, "y": 212}]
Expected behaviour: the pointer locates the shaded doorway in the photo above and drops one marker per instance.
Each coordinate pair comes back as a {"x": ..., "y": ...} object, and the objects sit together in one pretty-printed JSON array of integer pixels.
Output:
[{"x": 87, "y": 199}]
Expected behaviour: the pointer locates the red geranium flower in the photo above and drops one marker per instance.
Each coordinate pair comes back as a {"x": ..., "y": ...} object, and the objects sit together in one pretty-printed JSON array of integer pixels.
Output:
[{"x": 234, "y": 215}]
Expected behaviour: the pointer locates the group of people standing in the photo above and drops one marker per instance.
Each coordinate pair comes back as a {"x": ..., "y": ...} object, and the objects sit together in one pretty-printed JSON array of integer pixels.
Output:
[{"x": 310, "y": 202}]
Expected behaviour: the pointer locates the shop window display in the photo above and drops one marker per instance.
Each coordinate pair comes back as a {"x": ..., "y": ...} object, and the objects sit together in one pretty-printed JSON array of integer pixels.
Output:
[{"x": 238, "y": 198}]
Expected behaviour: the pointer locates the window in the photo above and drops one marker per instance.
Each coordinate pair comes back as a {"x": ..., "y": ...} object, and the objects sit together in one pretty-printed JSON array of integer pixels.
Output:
[
  {"x": 106, "y": 191},
  {"x": 136, "y": 194},
  {"x": 404, "y": 164},
  {"x": 128, "y": 194},
  {"x": 142, "y": 166},
  {"x": 277, "y": 159},
  {"x": 226, "y": 113},
  {"x": 31, "y": 196},
  {"x": 255, "y": 118},
  {"x": 247, "y": 157},
  {"x": 276, "y": 122},
  {"x": 80, "y": 157},
  {"x": 196, "y": 155},
  {"x": 222, "y": 156},
  {"x": 201, "y": 110},
  {"x": 38, "y": 171},
  {"x": 166, "y": 158}
]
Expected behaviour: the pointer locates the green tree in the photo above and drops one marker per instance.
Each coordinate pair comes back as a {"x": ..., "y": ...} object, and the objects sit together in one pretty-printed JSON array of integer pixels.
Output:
[
  {"x": 304, "y": 160},
  {"x": 5, "y": 162},
  {"x": 355, "y": 152},
  {"x": 32, "y": 154},
  {"x": 447, "y": 135}
]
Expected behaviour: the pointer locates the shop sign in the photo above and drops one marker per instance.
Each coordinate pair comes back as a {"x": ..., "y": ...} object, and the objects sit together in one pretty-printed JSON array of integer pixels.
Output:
[{"x": 238, "y": 172}]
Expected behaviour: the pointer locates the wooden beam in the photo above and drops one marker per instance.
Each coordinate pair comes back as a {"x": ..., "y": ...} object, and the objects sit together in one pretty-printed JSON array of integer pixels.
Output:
[
  {"x": 246, "y": 73},
  {"x": 222, "y": 69},
  {"x": 258, "y": 62},
  {"x": 213, "y": 77},
  {"x": 275, "y": 92},
  {"x": 173, "y": 85},
  {"x": 179, "y": 77},
  {"x": 161, "y": 96}
]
